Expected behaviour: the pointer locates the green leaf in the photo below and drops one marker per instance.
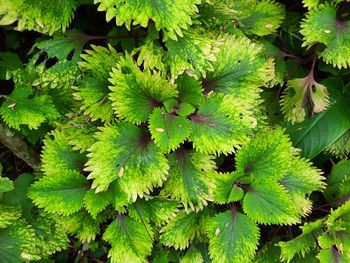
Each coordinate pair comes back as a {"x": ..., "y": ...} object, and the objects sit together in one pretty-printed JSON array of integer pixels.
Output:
[
  {"x": 233, "y": 237},
  {"x": 268, "y": 253},
  {"x": 225, "y": 190},
  {"x": 135, "y": 93},
  {"x": 168, "y": 130},
  {"x": 259, "y": 17},
  {"x": 97, "y": 202},
  {"x": 42, "y": 16},
  {"x": 62, "y": 45},
  {"x": 303, "y": 243},
  {"x": 192, "y": 53},
  {"x": 8, "y": 62},
  {"x": 188, "y": 180},
  {"x": 126, "y": 153},
  {"x": 61, "y": 193},
  {"x": 338, "y": 178},
  {"x": 184, "y": 228},
  {"x": 22, "y": 108},
  {"x": 340, "y": 215},
  {"x": 19, "y": 195},
  {"x": 158, "y": 210},
  {"x": 171, "y": 16},
  {"x": 220, "y": 124},
  {"x": 314, "y": 135},
  {"x": 322, "y": 26},
  {"x": 266, "y": 156},
  {"x": 333, "y": 255},
  {"x": 185, "y": 109},
  {"x": 269, "y": 203},
  {"x": 131, "y": 240},
  {"x": 190, "y": 90},
  {"x": 58, "y": 155}
]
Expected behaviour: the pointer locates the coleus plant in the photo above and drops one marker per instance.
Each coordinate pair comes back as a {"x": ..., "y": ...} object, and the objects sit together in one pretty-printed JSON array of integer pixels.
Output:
[{"x": 135, "y": 135}]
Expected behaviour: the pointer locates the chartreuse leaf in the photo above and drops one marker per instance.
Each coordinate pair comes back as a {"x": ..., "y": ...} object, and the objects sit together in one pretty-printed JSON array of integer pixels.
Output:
[
  {"x": 22, "y": 107},
  {"x": 302, "y": 178},
  {"x": 14, "y": 240},
  {"x": 82, "y": 225},
  {"x": 93, "y": 88},
  {"x": 171, "y": 16},
  {"x": 193, "y": 255},
  {"x": 8, "y": 215},
  {"x": 184, "y": 228},
  {"x": 266, "y": 156},
  {"x": 97, "y": 202},
  {"x": 220, "y": 124},
  {"x": 337, "y": 181},
  {"x": 233, "y": 237},
  {"x": 302, "y": 244},
  {"x": 300, "y": 181},
  {"x": 61, "y": 192},
  {"x": 42, "y": 16},
  {"x": 158, "y": 210},
  {"x": 79, "y": 132},
  {"x": 131, "y": 241},
  {"x": 5, "y": 184},
  {"x": 310, "y": 4},
  {"x": 168, "y": 129},
  {"x": 50, "y": 237},
  {"x": 98, "y": 61},
  {"x": 269, "y": 203},
  {"x": 151, "y": 54},
  {"x": 341, "y": 214},
  {"x": 192, "y": 53},
  {"x": 58, "y": 155},
  {"x": 280, "y": 65},
  {"x": 135, "y": 93},
  {"x": 258, "y": 17},
  {"x": 302, "y": 97},
  {"x": 132, "y": 158},
  {"x": 321, "y": 25},
  {"x": 341, "y": 147},
  {"x": 188, "y": 180},
  {"x": 62, "y": 75},
  {"x": 240, "y": 68}
]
